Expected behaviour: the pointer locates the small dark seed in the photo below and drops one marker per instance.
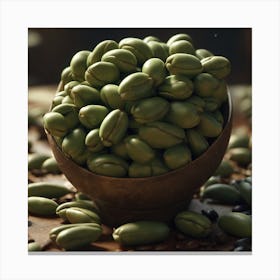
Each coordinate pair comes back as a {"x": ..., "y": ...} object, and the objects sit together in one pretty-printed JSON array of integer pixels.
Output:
[
  {"x": 29, "y": 223},
  {"x": 211, "y": 214}
]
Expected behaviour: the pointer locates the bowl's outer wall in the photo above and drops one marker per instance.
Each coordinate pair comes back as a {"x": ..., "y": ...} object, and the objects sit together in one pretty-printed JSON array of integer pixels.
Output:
[{"x": 122, "y": 200}]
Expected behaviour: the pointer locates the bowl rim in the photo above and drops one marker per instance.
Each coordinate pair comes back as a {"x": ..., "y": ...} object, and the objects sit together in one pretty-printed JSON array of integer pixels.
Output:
[{"x": 226, "y": 124}]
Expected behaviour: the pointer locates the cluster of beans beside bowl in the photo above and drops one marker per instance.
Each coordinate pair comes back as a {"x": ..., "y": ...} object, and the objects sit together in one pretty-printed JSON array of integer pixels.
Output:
[
  {"x": 42, "y": 164},
  {"x": 139, "y": 107},
  {"x": 222, "y": 189}
]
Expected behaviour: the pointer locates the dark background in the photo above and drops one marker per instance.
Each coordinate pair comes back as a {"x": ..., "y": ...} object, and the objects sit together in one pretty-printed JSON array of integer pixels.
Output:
[{"x": 50, "y": 49}]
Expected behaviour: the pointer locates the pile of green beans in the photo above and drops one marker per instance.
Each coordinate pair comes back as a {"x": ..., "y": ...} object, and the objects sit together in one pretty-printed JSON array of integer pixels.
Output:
[{"x": 139, "y": 107}]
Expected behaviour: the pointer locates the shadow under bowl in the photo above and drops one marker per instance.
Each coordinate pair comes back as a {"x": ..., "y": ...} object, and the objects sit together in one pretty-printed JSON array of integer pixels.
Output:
[{"x": 122, "y": 200}]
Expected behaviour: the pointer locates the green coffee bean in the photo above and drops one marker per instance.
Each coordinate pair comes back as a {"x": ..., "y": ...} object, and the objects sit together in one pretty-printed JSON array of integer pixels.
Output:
[
  {"x": 155, "y": 68},
  {"x": 81, "y": 158},
  {"x": 225, "y": 169},
  {"x": 161, "y": 135},
  {"x": 242, "y": 156},
  {"x": 138, "y": 47},
  {"x": 73, "y": 143},
  {"x": 203, "y": 53},
  {"x": 111, "y": 98},
  {"x": 77, "y": 237},
  {"x": 136, "y": 86},
  {"x": 141, "y": 232},
  {"x": 85, "y": 204},
  {"x": 236, "y": 224},
  {"x": 239, "y": 141},
  {"x": 211, "y": 104},
  {"x": 68, "y": 87},
  {"x": 218, "y": 66},
  {"x": 48, "y": 190},
  {"x": 220, "y": 93},
  {"x": 41, "y": 206},
  {"x": 56, "y": 230},
  {"x": 35, "y": 161},
  {"x": 138, "y": 150},
  {"x": 209, "y": 126},
  {"x": 113, "y": 128},
  {"x": 120, "y": 150},
  {"x": 245, "y": 189},
  {"x": 151, "y": 39},
  {"x": 62, "y": 214},
  {"x": 212, "y": 180},
  {"x": 177, "y": 156},
  {"x": 62, "y": 93},
  {"x": 180, "y": 36},
  {"x": 124, "y": 60},
  {"x": 83, "y": 95},
  {"x": 198, "y": 102},
  {"x": 150, "y": 109},
  {"x": 34, "y": 246},
  {"x": 67, "y": 100},
  {"x": 193, "y": 224},
  {"x": 93, "y": 141},
  {"x": 205, "y": 84},
  {"x": 55, "y": 124},
  {"x": 78, "y": 65},
  {"x": 139, "y": 170},
  {"x": 101, "y": 73},
  {"x": 159, "y": 50},
  {"x": 107, "y": 165},
  {"x": 222, "y": 193},
  {"x": 181, "y": 46},
  {"x": 50, "y": 166},
  {"x": 158, "y": 167},
  {"x": 176, "y": 87},
  {"x": 218, "y": 116},
  {"x": 57, "y": 100},
  {"x": 153, "y": 168},
  {"x": 70, "y": 114},
  {"x": 128, "y": 106},
  {"x": 80, "y": 215},
  {"x": 198, "y": 144},
  {"x": 100, "y": 49},
  {"x": 85, "y": 83},
  {"x": 91, "y": 116},
  {"x": 185, "y": 64},
  {"x": 245, "y": 107},
  {"x": 183, "y": 114},
  {"x": 66, "y": 75}
]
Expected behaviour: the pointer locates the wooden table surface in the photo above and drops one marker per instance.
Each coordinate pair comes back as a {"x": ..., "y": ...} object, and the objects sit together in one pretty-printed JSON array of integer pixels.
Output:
[{"x": 39, "y": 102}]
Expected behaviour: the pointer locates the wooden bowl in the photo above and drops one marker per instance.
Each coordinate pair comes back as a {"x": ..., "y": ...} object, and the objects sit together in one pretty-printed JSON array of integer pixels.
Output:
[{"x": 122, "y": 200}]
